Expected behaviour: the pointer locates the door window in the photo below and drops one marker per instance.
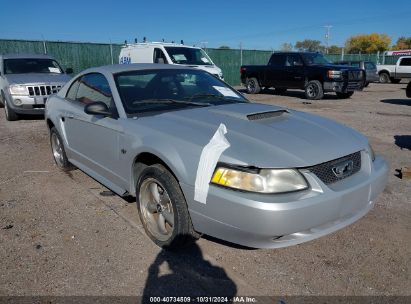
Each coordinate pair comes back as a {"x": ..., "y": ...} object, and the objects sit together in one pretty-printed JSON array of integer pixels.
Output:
[
  {"x": 405, "y": 62},
  {"x": 277, "y": 60},
  {"x": 293, "y": 60},
  {"x": 159, "y": 56}
]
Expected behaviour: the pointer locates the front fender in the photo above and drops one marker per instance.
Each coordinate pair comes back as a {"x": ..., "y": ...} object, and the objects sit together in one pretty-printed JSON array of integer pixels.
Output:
[{"x": 181, "y": 158}]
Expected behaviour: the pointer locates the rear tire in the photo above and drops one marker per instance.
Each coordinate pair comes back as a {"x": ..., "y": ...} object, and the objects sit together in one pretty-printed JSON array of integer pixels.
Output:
[
  {"x": 10, "y": 114},
  {"x": 314, "y": 90},
  {"x": 366, "y": 84},
  {"x": 163, "y": 209},
  {"x": 252, "y": 85},
  {"x": 394, "y": 80},
  {"x": 384, "y": 77},
  {"x": 344, "y": 95}
]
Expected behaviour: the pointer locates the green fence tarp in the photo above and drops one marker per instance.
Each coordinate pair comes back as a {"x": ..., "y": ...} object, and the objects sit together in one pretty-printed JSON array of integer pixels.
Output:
[{"x": 83, "y": 55}]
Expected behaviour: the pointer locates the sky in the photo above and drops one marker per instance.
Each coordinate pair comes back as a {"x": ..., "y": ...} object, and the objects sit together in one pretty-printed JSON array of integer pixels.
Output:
[{"x": 254, "y": 24}]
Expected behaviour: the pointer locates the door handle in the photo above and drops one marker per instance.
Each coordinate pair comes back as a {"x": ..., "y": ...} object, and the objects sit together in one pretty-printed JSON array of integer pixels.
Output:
[{"x": 71, "y": 116}]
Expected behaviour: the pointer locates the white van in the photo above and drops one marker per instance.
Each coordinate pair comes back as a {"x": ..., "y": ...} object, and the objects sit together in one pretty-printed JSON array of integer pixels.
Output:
[{"x": 170, "y": 53}]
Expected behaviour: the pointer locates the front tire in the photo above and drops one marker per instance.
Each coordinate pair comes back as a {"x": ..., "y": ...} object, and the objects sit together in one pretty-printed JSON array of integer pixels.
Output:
[
  {"x": 344, "y": 95},
  {"x": 8, "y": 111},
  {"x": 314, "y": 90},
  {"x": 59, "y": 153},
  {"x": 163, "y": 209},
  {"x": 384, "y": 77},
  {"x": 252, "y": 85}
]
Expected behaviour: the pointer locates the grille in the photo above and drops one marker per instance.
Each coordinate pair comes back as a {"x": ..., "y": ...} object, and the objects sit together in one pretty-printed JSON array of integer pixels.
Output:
[
  {"x": 43, "y": 90},
  {"x": 325, "y": 172},
  {"x": 265, "y": 115}
]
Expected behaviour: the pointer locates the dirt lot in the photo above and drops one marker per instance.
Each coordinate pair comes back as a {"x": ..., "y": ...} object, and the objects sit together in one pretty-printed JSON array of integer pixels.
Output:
[{"x": 64, "y": 234}]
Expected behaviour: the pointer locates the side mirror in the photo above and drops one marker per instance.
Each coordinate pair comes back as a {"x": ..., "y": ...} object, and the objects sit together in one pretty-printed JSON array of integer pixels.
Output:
[
  {"x": 69, "y": 71},
  {"x": 97, "y": 108}
]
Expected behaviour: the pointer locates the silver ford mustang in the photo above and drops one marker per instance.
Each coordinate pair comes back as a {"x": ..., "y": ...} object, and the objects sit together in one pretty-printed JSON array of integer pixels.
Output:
[{"x": 201, "y": 159}]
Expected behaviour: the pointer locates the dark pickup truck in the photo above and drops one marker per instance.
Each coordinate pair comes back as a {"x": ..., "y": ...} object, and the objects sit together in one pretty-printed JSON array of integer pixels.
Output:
[{"x": 310, "y": 72}]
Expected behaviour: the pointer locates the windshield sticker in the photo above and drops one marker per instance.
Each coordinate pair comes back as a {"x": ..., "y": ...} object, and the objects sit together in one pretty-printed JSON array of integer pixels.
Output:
[
  {"x": 205, "y": 60},
  {"x": 226, "y": 91},
  {"x": 179, "y": 57},
  {"x": 54, "y": 70}
]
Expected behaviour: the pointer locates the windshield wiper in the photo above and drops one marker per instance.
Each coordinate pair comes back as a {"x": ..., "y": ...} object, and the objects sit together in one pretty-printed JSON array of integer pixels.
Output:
[
  {"x": 170, "y": 101},
  {"x": 219, "y": 97}
]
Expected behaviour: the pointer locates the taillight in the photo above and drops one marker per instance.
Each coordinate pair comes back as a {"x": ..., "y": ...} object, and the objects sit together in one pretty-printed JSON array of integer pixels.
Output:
[{"x": 242, "y": 70}]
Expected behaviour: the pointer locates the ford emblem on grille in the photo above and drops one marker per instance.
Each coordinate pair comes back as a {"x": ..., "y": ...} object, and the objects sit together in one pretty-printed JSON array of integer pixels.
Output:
[{"x": 344, "y": 168}]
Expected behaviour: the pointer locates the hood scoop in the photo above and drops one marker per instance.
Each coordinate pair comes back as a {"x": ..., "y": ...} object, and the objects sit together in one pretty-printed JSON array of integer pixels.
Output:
[
  {"x": 266, "y": 115},
  {"x": 249, "y": 111}
]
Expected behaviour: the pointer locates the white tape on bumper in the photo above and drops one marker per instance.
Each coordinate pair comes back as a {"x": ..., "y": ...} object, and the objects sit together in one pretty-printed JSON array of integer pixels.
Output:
[{"x": 208, "y": 160}]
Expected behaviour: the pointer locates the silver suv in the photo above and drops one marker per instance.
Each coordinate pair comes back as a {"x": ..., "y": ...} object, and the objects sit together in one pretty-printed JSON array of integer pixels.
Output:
[{"x": 26, "y": 81}]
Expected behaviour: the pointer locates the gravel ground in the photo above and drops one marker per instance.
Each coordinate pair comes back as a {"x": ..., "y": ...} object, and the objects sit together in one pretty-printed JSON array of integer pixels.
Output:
[{"x": 64, "y": 234}]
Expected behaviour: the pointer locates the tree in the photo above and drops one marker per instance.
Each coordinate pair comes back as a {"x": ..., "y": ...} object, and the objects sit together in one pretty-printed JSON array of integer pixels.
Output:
[
  {"x": 224, "y": 47},
  {"x": 402, "y": 43},
  {"x": 371, "y": 43},
  {"x": 309, "y": 45},
  {"x": 333, "y": 49},
  {"x": 286, "y": 47}
]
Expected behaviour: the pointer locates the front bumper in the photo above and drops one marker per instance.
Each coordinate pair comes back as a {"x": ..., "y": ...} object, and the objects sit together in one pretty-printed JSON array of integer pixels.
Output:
[
  {"x": 27, "y": 104},
  {"x": 275, "y": 221},
  {"x": 343, "y": 87}
]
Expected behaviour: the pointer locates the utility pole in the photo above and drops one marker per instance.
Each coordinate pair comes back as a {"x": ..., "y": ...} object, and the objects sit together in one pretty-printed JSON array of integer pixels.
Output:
[
  {"x": 327, "y": 36},
  {"x": 241, "y": 53}
]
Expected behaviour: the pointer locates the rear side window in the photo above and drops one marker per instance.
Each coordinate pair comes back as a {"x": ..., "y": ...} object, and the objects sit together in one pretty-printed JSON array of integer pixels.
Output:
[
  {"x": 94, "y": 87},
  {"x": 406, "y": 62},
  {"x": 277, "y": 60},
  {"x": 72, "y": 91}
]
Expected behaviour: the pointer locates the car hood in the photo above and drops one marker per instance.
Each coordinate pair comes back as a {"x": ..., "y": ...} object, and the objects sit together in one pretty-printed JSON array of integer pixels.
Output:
[
  {"x": 33, "y": 78},
  {"x": 287, "y": 139}
]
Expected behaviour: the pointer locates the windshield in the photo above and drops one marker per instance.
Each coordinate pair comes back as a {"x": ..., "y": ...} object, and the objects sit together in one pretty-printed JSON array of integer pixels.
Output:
[
  {"x": 172, "y": 89},
  {"x": 185, "y": 55},
  {"x": 24, "y": 66},
  {"x": 314, "y": 58}
]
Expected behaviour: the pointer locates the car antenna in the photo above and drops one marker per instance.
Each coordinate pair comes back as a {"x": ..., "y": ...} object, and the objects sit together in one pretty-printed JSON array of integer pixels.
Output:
[
  {"x": 182, "y": 42},
  {"x": 135, "y": 40},
  {"x": 144, "y": 39}
]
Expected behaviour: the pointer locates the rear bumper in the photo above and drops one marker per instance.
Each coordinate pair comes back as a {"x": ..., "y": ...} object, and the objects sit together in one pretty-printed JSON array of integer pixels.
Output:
[{"x": 275, "y": 221}]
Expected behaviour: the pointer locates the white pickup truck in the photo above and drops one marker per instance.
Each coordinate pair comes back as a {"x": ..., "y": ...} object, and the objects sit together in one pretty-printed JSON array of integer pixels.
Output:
[{"x": 394, "y": 72}]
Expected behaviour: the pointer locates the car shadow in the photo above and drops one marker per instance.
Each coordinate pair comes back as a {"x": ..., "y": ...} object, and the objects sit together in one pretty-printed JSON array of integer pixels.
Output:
[
  {"x": 403, "y": 141},
  {"x": 31, "y": 117},
  {"x": 186, "y": 273},
  {"x": 401, "y": 102}
]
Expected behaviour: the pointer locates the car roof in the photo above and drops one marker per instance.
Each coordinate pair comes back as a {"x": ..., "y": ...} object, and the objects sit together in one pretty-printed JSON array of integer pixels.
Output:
[
  {"x": 26, "y": 56},
  {"x": 119, "y": 68}
]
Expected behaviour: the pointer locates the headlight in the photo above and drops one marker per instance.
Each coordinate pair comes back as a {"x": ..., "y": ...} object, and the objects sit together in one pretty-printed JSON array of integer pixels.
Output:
[
  {"x": 262, "y": 181},
  {"x": 334, "y": 74},
  {"x": 372, "y": 153},
  {"x": 18, "y": 90}
]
